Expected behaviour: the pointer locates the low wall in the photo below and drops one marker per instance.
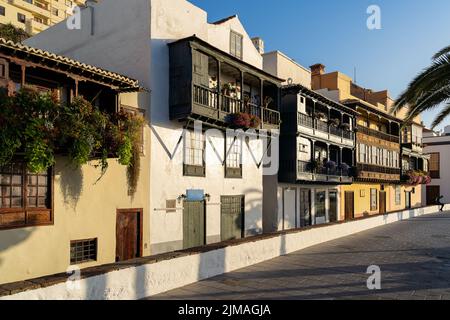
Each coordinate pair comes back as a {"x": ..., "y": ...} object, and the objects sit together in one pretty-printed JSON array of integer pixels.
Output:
[{"x": 149, "y": 277}]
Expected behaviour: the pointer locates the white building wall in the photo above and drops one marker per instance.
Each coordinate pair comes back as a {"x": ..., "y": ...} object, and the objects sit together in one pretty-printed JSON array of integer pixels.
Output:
[
  {"x": 131, "y": 37},
  {"x": 441, "y": 145},
  {"x": 277, "y": 63}
]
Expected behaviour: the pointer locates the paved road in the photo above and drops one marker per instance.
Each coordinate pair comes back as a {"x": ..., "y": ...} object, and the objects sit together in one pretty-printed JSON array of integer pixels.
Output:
[{"x": 414, "y": 257}]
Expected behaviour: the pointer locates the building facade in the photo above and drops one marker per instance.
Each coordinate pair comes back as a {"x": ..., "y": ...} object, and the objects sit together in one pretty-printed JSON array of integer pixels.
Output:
[
  {"x": 69, "y": 217},
  {"x": 379, "y": 186},
  {"x": 317, "y": 146},
  {"x": 196, "y": 71},
  {"x": 437, "y": 147},
  {"x": 35, "y": 16}
]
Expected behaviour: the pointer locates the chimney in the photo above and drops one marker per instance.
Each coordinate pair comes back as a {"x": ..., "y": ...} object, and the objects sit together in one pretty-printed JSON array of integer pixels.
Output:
[
  {"x": 317, "y": 69},
  {"x": 259, "y": 44}
]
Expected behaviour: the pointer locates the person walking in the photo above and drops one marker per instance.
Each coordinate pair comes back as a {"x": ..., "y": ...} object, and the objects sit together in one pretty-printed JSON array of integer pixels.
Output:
[{"x": 440, "y": 203}]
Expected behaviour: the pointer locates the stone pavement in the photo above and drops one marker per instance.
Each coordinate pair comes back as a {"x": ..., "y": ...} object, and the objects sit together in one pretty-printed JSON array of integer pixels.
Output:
[{"x": 414, "y": 257}]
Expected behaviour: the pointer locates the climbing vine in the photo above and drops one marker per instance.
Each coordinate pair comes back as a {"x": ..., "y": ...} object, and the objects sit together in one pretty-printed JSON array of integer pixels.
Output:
[{"x": 37, "y": 126}]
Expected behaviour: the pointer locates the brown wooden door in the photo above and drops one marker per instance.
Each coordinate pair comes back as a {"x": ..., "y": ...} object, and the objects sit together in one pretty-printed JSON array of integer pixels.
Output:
[
  {"x": 433, "y": 192},
  {"x": 382, "y": 202},
  {"x": 128, "y": 234},
  {"x": 194, "y": 229},
  {"x": 349, "y": 205}
]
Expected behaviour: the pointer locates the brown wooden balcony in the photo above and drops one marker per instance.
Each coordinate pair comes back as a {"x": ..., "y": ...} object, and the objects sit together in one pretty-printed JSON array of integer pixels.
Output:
[
  {"x": 378, "y": 134},
  {"x": 336, "y": 175}
]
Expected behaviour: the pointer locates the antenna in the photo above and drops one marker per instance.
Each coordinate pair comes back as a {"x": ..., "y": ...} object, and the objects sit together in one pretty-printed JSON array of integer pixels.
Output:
[{"x": 354, "y": 75}]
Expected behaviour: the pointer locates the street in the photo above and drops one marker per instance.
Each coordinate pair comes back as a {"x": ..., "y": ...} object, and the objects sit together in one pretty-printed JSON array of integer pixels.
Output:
[{"x": 413, "y": 255}]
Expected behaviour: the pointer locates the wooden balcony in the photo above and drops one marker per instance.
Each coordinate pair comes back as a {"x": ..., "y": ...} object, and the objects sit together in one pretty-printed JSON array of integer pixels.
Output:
[
  {"x": 314, "y": 127},
  {"x": 337, "y": 175},
  {"x": 369, "y": 172},
  {"x": 209, "y": 103},
  {"x": 378, "y": 134},
  {"x": 209, "y": 85}
]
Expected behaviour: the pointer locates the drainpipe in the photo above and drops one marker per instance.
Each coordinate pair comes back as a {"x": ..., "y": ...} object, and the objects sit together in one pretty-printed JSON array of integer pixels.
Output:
[{"x": 90, "y": 5}]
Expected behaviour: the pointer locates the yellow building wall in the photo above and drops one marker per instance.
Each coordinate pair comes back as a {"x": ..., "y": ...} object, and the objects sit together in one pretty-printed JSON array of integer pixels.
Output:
[
  {"x": 362, "y": 198},
  {"x": 84, "y": 208},
  {"x": 34, "y": 13}
]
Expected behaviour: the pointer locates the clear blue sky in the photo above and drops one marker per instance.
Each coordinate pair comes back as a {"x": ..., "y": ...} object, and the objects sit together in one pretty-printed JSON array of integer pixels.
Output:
[{"x": 334, "y": 32}]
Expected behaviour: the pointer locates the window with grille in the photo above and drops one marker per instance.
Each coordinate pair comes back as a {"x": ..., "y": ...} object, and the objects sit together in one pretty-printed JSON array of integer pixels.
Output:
[
  {"x": 398, "y": 195},
  {"x": 194, "y": 154},
  {"x": 25, "y": 198},
  {"x": 2, "y": 11},
  {"x": 233, "y": 163},
  {"x": 434, "y": 165},
  {"x": 236, "y": 43},
  {"x": 373, "y": 199},
  {"x": 82, "y": 251}
]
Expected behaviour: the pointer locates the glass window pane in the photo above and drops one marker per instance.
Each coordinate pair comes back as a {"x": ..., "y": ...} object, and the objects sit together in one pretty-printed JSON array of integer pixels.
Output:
[{"x": 16, "y": 202}]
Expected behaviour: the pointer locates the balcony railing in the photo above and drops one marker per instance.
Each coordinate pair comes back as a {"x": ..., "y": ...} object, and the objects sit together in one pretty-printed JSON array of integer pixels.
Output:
[
  {"x": 305, "y": 167},
  {"x": 378, "y": 134},
  {"x": 211, "y": 99},
  {"x": 309, "y": 122},
  {"x": 378, "y": 169}
]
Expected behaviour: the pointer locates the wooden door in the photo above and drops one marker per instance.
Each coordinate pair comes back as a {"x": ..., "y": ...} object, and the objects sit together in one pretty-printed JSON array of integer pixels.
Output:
[
  {"x": 305, "y": 208},
  {"x": 333, "y": 212},
  {"x": 408, "y": 200},
  {"x": 232, "y": 217},
  {"x": 349, "y": 205},
  {"x": 433, "y": 192},
  {"x": 194, "y": 229},
  {"x": 382, "y": 202},
  {"x": 128, "y": 234}
]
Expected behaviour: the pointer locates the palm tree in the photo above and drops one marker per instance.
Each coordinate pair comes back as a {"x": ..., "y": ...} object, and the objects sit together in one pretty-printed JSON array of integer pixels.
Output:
[{"x": 429, "y": 90}]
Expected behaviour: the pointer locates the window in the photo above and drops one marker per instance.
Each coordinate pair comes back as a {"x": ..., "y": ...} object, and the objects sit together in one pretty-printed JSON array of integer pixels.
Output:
[
  {"x": 3, "y": 69},
  {"x": 373, "y": 199},
  {"x": 233, "y": 154},
  {"x": 236, "y": 42},
  {"x": 55, "y": 12},
  {"x": 25, "y": 198},
  {"x": 2, "y": 11},
  {"x": 194, "y": 154},
  {"x": 21, "y": 18},
  {"x": 398, "y": 195},
  {"x": 82, "y": 251},
  {"x": 435, "y": 166}
]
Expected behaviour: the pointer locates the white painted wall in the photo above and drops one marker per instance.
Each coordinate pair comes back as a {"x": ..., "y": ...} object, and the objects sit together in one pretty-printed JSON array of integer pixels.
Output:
[
  {"x": 151, "y": 279},
  {"x": 131, "y": 37},
  {"x": 443, "y": 148},
  {"x": 280, "y": 65}
]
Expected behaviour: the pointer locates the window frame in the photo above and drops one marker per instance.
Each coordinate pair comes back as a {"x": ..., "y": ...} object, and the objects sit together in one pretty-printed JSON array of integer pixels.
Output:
[
  {"x": 193, "y": 170},
  {"x": 233, "y": 172},
  {"x": 398, "y": 195},
  {"x": 435, "y": 174},
  {"x": 28, "y": 211},
  {"x": 373, "y": 196},
  {"x": 2, "y": 11},
  {"x": 233, "y": 49}
]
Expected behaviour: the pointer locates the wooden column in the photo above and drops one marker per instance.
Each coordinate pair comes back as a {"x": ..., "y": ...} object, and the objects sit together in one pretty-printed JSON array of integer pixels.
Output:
[
  {"x": 262, "y": 102},
  {"x": 23, "y": 69},
  {"x": 219, "y": 91}
]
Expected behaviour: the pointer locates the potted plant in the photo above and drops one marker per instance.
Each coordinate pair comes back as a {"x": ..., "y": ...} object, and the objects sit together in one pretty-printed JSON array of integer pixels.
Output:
[
  {"x": 255, "y": 122},
  {"x": 240, "y": 120},
  {"x": 345, "y": 126},
  {"x": 320, "y": 116},
  {"x": 313, "y": 165},
  {"x": 267, "y": 101},
  {"x": 354, "y": 172},
  {"x": 334, "y": 122}
]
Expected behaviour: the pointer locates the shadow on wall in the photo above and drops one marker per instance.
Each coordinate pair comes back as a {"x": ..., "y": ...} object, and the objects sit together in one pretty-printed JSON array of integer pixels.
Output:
[
  {"x": 71, "y": 181},
  {"x": 253, "y": 211},
  {"x": 12, "y": 238}
]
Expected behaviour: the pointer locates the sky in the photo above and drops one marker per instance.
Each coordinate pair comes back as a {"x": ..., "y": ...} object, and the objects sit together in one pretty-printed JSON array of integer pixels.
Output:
[{"x": 335, "y": 34}]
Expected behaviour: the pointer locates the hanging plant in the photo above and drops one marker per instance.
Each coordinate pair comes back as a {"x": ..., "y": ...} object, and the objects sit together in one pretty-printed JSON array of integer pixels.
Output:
[
  {"x": 334, "y": 122},
  {"x": 38, "y": 126},
  {"x": 345, "y": 126}
]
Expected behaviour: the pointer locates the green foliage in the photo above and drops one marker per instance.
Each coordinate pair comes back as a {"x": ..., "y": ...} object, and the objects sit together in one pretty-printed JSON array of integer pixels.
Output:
[
  {"x": 10, "y": 32},
  {"x": 39, "y": 127},
  {"x": 429, "y": 90}
]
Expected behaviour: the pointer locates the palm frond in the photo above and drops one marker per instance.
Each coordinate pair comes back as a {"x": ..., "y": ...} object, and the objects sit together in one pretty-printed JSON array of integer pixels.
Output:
[
  {"x": 441, "y": 117},
  {"x": 441, "y": 53}
]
